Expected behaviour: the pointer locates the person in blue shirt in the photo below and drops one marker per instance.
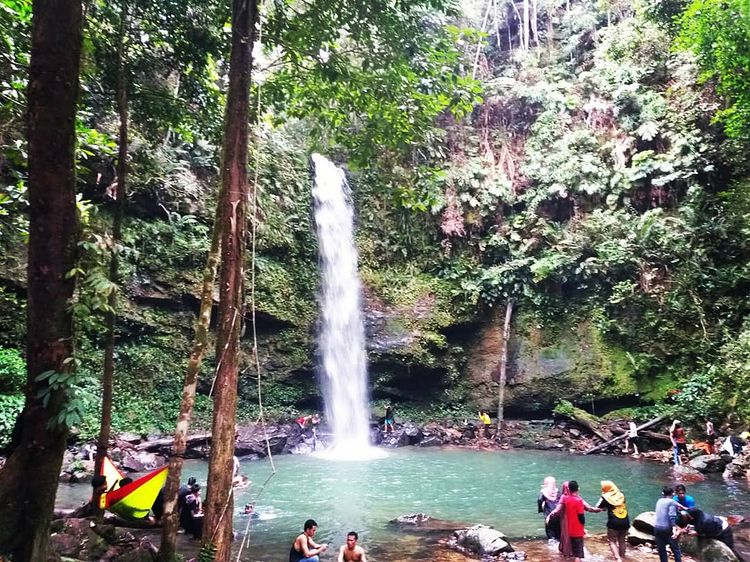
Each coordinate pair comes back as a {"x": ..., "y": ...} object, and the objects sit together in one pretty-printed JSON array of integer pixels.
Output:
[{"x": 682, "y": 497}]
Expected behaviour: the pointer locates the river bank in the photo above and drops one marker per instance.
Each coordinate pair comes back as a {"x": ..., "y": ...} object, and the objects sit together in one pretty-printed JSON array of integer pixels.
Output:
[{"x": 139, "y": 453}]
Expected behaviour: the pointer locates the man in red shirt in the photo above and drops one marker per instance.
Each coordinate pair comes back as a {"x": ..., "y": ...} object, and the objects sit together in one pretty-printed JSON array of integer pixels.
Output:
[{"x": 572, "y": 508}]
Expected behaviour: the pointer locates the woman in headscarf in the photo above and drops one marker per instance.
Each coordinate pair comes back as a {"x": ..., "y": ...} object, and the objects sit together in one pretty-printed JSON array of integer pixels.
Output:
[
  {"x": 546, "y": 502},
  {"x": 707, "y": 525},
  {"x": 618, "y": 521}
]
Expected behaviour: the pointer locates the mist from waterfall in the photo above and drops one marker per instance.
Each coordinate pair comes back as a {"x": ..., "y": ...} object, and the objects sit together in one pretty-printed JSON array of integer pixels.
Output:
[{"x": 342, "y": 335}]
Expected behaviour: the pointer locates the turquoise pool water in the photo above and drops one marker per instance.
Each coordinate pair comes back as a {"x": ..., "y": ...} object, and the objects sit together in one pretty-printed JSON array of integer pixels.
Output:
[{"x": 497, "y": 488}]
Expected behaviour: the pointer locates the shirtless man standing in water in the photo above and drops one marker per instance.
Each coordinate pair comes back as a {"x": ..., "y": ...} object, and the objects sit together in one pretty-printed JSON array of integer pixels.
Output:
[{"x": 350, "y": 552}]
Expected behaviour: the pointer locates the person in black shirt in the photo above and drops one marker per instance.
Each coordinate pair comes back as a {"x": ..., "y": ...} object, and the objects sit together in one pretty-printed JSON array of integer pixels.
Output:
[
  {"x": 618, "y": 521},
  {"x": 707, "y": 525}
]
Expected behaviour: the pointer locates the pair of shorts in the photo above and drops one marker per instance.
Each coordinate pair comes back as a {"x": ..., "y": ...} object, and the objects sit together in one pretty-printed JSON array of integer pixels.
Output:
[{"x": 576, "y": 544}]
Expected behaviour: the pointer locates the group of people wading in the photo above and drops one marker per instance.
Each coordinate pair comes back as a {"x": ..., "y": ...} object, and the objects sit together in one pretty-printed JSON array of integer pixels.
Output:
[{"x": 676, "y": 514}]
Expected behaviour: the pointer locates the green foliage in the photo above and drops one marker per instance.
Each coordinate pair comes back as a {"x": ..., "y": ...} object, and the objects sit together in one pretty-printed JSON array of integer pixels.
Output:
[
  {"x": 207, "y": 553},
  {"x": 12, "y": 371},
  {"x": 71, "y": 383},
  {"x": 376, "y": 87},
  {"x": 725, "y": 386},
  {"x": 15, "y": 22},
  {"x": 717, "y": 31},
  {"x": 172, "y": 48},
  {"x": 12, "y": 319},
  {"x": 441, "y": 412},
  {"x": 10, "y": 406},
  {"x": 566, "y": 409}
]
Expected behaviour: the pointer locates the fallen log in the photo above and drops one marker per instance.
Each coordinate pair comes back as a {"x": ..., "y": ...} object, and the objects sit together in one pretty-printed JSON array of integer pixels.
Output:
[
  {"x": 581, "y": 418},
  {"x": 166, "y": 442},
  {"x": 657, "y": 436},
  {"x": 620, "y": 437}
]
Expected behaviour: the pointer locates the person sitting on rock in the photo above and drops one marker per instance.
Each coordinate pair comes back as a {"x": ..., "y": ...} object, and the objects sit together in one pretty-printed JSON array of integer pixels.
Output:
[
  {"x": 681, "y": 496},
  {"x": 706, "y": 526}
]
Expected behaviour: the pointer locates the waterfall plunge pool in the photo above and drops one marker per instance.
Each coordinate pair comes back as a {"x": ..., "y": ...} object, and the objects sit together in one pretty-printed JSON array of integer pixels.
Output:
[{"x": 497, "y": 488}]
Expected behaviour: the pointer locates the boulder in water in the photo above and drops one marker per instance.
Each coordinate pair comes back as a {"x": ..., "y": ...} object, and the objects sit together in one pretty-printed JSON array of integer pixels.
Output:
[
  {"x": 644, "y": 522},
  {"x": 707, "y": 550},
  {"x": 685, "y": 473},
  {"x": 708, "y": 463},
  {"x": 639, "y": 537},
  {"x": 140, "y": 461},
  {"x": 412, "y": 519},
  {"x": 482, "y": 540},
  {"x": 410, "y": 435},
  {"x": 431, "y": 441}
]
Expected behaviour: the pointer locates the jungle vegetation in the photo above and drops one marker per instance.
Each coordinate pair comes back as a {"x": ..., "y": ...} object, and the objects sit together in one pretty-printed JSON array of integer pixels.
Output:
[{"x": 582, "y": 160}]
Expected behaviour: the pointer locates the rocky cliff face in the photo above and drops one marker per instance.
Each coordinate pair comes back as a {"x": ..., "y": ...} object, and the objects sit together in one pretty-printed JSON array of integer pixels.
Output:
[{"x": 417, "y": 354}]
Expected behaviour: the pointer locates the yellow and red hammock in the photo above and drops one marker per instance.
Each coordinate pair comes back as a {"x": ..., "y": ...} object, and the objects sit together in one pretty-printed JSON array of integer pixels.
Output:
[{"x": 134, "y": 500}]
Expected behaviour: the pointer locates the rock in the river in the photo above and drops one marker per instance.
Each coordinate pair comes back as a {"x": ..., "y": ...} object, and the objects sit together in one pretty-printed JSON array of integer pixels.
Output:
[
  {"x": 412, "y": 519},
  {"x": 251, "y": 439},
  {"x": 410, "y": 435},
  {"x": 139, "y": 461},
  {"x": 644, "y": 522},
  {"x": 482, "y": 540},
  {"x": 685, "y": 473},
  {"x": 708, "y": 463},
  {"x": 707, "y": 550},
  {"x": 431, "y": 441},
  {"x": 81, "y": 539},
  {"x": 639, "y": 537}
]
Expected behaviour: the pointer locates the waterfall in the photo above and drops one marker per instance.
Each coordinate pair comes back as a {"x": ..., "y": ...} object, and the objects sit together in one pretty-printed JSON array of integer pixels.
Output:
[{"x": 342, "y": 334}]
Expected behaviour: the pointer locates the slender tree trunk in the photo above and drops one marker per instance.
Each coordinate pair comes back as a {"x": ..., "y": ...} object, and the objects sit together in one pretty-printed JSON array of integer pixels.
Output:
[
  {"x": 170, "y": 519},
  {"x": 550, "y": 33},
  {"x": 108, "y": 375},
  {"x": 28, "y": 482},
  {"x": 526, "y": 24},
  {"x": 219, "y": 507},
  {"x": 520, "y": 25},
  {"x": 534, "y": 21},
  {"x": 496, "y": 19},
  {"x": 503, "y": 365},
  {"x": 479, "y": 42},
  {"x": 509, "y": 18}
]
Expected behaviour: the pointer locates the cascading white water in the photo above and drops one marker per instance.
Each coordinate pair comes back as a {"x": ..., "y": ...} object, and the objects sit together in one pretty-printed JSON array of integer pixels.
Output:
[{"x": 342, "y": 333}]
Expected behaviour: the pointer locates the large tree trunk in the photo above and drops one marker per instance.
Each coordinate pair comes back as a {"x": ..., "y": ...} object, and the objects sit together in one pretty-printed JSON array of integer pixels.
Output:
[
  {"x": 503, "y": 365},
  {"x": 28, "y": 482},
  {"x": 108, "y": 375},
  {"x": 170, "y": 519},
  {"x": 217, "y": 523}
]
